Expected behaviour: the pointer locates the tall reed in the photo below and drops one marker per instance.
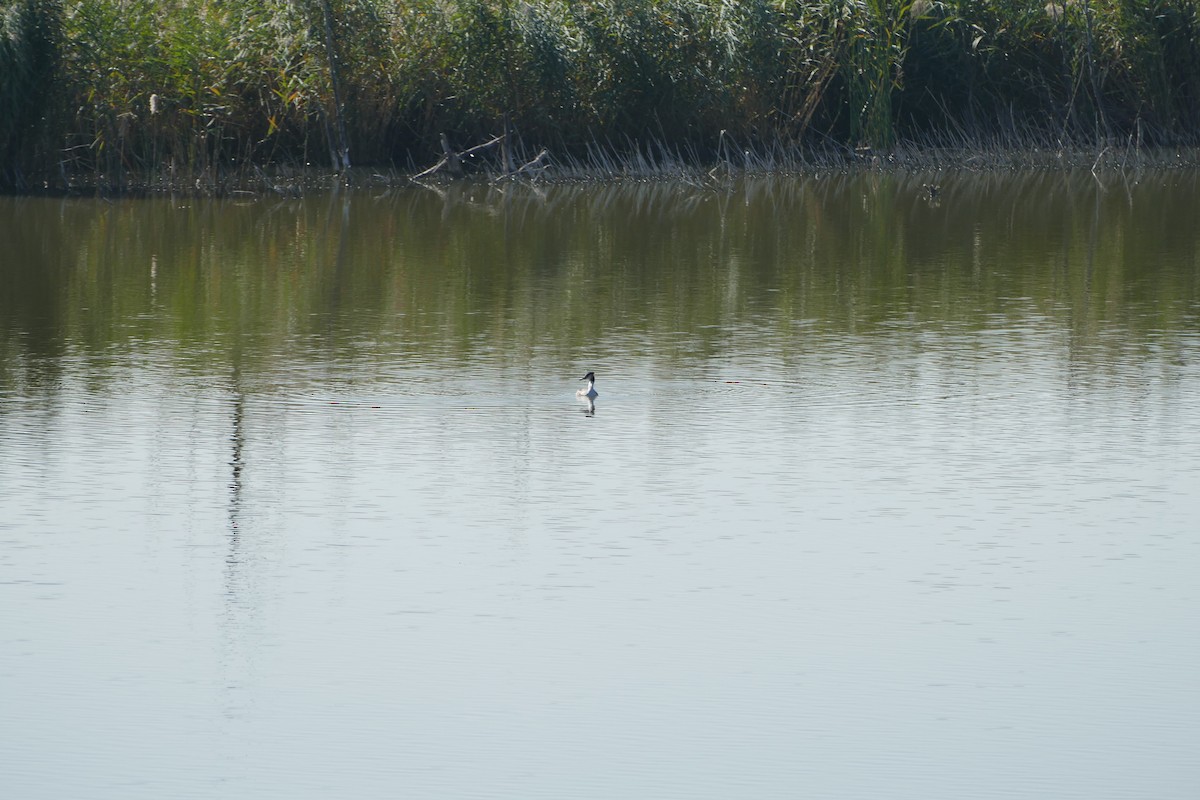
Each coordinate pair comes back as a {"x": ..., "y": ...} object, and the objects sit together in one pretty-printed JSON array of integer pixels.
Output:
[
  {"x": 31, "y": 42},
  {"x": 144, "y": 93}
]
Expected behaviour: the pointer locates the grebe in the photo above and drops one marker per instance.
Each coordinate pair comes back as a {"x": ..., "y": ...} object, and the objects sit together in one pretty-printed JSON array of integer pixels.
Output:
[{"x": 591, "y": 390}]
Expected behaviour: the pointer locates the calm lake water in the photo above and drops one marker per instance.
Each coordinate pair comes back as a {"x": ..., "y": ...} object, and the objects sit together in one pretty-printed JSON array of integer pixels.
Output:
[{"x": 883, "y": 496}]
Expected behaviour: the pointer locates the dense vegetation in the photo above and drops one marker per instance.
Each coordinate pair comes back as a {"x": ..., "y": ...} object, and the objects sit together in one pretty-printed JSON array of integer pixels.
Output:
[{"x": 120, "y": 91}]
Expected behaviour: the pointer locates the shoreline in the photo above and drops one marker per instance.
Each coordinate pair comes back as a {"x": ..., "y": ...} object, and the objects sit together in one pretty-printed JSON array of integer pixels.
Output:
[{"x": 287, "y": 180}]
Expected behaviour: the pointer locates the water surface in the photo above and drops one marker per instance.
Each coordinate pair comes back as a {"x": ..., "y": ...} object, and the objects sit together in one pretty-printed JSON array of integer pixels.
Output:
[{"x": 883, "y": 495}]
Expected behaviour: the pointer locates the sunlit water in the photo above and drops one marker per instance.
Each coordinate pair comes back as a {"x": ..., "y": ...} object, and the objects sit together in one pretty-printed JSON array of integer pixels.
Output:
[{"x": 882, "y": 497}]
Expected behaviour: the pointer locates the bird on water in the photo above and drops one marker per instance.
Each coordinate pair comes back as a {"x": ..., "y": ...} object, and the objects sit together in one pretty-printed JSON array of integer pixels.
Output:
[{"x": 590, "y": 391}]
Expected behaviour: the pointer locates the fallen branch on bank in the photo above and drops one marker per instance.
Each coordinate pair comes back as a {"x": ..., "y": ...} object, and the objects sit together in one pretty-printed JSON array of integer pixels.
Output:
[
  {"x": 454, "y": 163},
  {"x": 531, "y": 168}
]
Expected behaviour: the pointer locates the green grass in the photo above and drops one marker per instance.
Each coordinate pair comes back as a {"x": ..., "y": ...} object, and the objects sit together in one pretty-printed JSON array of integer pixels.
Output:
[{"x": 173, "y": 93}]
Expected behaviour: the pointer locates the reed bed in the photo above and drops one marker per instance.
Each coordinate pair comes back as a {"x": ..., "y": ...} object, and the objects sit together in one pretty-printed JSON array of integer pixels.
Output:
[{"x": 218, "y": 94}]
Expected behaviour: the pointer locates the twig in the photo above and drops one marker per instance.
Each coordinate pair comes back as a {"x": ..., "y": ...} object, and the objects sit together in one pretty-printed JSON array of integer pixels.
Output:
[
  {"x": 432, "y": 169},
  {"x": 452, "y": 161},
  {"x": 536, "y": 163},
  {"x": 494, "y": 141}
]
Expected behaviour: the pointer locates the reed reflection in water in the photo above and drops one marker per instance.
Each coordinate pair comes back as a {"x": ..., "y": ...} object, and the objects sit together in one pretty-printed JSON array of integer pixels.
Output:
[{"x": 883, "y": 494}]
